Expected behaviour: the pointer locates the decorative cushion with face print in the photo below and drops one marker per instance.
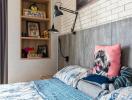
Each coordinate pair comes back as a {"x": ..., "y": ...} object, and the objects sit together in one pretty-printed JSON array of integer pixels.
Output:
[{"x": 107, "y": 60}]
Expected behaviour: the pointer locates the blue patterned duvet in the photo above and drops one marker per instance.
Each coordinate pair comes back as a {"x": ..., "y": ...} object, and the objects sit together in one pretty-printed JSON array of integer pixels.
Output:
[
  {"x": 19, "y": 91},
  {"x": 120, "y": 94},
  {"x": 52, "y": 89}
]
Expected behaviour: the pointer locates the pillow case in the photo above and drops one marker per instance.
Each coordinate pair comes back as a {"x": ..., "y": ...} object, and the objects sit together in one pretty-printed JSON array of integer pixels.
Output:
[
  {"x": 71, "y": 74},
  {"x": 88, "y": 88},
  {"x": 107, "y": 60},
  {"x": 97, "y": 79}
]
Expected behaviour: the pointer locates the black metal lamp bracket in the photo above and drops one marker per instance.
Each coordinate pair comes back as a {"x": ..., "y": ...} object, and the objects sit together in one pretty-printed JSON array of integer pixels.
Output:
[
  {"x": 73, "y": 12},
  {"x": 72, "y": 29}
]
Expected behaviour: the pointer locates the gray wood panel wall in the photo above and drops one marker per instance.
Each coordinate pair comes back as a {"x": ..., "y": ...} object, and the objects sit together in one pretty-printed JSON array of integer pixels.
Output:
[{"x": 80, "y": 47}]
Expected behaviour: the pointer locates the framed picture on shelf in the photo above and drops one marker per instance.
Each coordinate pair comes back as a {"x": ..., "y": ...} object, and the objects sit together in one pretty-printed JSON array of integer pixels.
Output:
[
  {"x": 33, "y": 29},
  {"x": 42, "y": 50}
]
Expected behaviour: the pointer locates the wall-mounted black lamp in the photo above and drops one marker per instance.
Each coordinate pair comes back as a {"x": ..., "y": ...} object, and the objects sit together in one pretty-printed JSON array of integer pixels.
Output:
[{"x": 58, "y": 12}]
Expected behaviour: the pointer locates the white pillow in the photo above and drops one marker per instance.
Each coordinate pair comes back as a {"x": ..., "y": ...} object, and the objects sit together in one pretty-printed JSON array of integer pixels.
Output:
[
  {"x": 88, "y": 88},
  {"x": 71, "y": 74}
]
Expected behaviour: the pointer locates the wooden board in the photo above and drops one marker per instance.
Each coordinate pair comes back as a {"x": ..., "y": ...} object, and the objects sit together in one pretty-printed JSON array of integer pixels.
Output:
[{"x": 80, "y": 47}]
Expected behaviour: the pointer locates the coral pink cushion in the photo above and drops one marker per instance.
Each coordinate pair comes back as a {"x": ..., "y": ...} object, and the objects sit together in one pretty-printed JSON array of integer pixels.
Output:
[{"x": 113, "y": 54}]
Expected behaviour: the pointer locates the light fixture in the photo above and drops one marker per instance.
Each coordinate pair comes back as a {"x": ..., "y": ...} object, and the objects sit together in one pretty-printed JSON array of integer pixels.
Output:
[
  {"x": 58, "y": 12},
  {"x": 53, "y": 29}
]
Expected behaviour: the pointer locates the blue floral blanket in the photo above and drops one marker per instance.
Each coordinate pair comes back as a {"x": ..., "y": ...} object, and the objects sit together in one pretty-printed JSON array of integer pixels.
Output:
[{"x": 52, "y": 89}]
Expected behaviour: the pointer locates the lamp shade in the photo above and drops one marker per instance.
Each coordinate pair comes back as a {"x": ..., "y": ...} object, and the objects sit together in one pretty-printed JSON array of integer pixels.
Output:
[
  {"x": 57, "y": 11},
  {"x": 53, "y": 29}
]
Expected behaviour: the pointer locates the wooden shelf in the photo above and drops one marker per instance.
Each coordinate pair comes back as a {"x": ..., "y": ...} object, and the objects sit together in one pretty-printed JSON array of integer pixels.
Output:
[
  {"x": 35, "y": 19},
  {"x": 43, "y": 25},
  {"x": 35, "y": 58},
  {"x": 33, "y": 38},
  {"x": 38, "y": 1}
]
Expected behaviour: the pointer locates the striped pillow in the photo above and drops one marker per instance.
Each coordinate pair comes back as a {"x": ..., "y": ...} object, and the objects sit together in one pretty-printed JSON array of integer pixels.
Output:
[
  {"x": 125, "y": 79},
  {"x": 120, "y": 82},
  {"x": 126, "y": 71}
]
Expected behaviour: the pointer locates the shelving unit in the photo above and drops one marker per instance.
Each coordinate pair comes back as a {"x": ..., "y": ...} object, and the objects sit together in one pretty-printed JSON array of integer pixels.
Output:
[
  {"x": 30, "y": 45},
  {"x": 38, "y": 1},
  {"x": 35, "y": 19},
  {"x": 33, "y": 38}
]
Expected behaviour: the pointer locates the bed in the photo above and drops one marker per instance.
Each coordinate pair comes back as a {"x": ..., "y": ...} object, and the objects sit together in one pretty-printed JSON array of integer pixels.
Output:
[
  {"x": 61, "y": 87},
  {"x": 70, "y": 83},
  {"x": 52, "y": 89}
]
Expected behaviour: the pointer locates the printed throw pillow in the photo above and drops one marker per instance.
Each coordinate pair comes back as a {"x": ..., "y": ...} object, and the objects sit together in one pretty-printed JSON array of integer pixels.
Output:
[
  {"x": 107, "y": 60},
  {"x": 71, "y": 74}
]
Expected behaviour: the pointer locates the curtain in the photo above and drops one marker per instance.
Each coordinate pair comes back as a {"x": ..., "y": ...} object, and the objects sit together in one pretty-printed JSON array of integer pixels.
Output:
[{"x": 3, "y": 43}]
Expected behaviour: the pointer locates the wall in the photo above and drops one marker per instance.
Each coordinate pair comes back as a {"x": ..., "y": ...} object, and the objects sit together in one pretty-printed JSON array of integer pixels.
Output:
[
  {"x": 101, "y": 12},
  {"x": 80, "y": 47},
  {"x": 25, "y": 70}
]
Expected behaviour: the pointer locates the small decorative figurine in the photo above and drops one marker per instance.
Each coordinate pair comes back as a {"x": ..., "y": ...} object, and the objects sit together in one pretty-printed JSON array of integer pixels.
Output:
[
  {"x": 34, "y": 8},
  {"x": 45, "y": 34}
]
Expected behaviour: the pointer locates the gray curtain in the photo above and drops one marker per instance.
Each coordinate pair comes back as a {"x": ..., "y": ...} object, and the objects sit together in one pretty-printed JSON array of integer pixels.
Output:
[{"x": 3, "y": 43}]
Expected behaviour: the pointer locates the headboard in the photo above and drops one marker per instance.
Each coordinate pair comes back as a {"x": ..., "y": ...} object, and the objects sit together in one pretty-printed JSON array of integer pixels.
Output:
[{"x": 80, "y": 47}]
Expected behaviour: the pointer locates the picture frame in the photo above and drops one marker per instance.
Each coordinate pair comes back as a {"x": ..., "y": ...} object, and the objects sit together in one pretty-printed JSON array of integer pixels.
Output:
[
  {"x": 33, "y": 29},
  {"x": 42, "y": 50},
  {"x": 81, "y": 3}
]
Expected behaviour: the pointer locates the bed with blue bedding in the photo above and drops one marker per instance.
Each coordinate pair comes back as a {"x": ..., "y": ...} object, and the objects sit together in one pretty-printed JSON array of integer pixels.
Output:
[
  {"x": 52, "y": 89},
  {"x": 66, "y": 84}
]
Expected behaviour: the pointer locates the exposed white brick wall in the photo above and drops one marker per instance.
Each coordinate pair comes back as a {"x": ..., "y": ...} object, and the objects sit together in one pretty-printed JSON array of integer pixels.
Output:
[{"x": 101, "y": 12}]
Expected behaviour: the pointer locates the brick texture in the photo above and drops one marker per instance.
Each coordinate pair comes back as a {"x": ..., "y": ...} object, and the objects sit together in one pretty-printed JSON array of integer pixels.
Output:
[{"x": 98, "y": 13}]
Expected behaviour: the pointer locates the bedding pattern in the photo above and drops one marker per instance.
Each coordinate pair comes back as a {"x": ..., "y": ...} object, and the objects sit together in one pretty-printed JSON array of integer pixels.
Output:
[
  {"x": 52, "y": 89},
  {"x": 120, "y": 94},
  {"x": 19, "y": 91},
  {"x": 55, "y": 89}
]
